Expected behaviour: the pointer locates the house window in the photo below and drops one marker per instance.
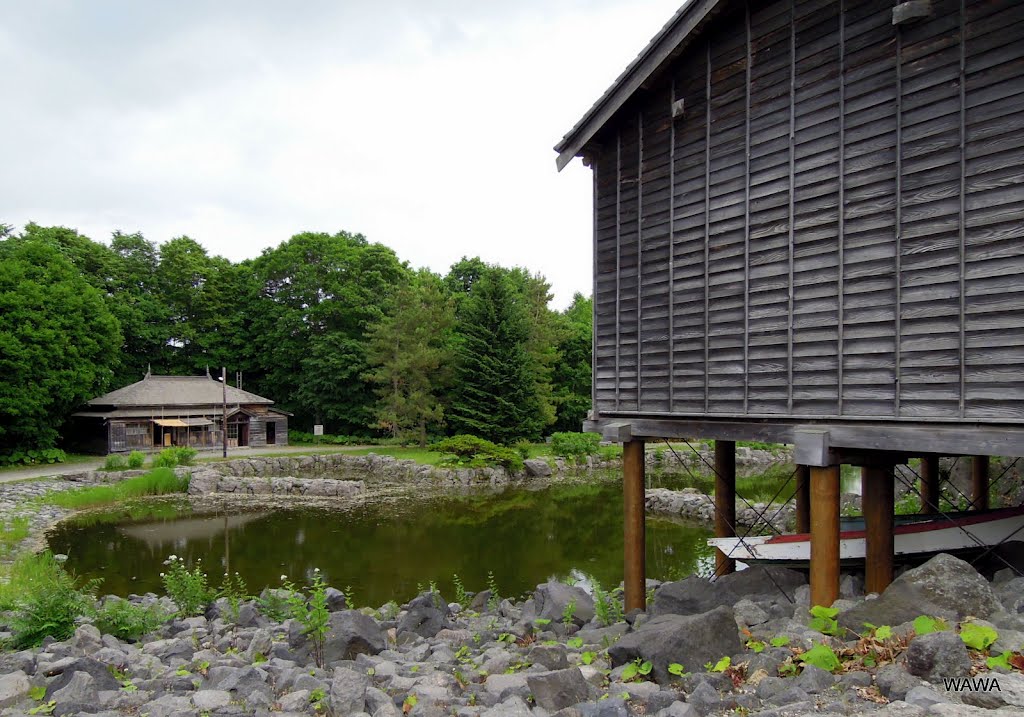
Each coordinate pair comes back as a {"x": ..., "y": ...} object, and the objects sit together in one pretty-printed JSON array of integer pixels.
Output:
[{"x": 232, "y": 431}]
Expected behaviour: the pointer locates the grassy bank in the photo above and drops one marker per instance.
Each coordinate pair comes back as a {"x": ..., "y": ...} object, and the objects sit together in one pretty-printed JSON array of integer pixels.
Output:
[{"x": 159, "y": 481}]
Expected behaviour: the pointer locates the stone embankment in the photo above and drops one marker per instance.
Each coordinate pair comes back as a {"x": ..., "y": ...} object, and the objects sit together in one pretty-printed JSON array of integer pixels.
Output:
[
  {"x": 691, "y": 504},
  {"x": 556, "y": 653}
]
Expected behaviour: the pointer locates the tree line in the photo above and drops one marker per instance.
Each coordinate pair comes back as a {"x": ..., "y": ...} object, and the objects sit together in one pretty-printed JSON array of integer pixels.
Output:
[{"x": 334, "y": 328}]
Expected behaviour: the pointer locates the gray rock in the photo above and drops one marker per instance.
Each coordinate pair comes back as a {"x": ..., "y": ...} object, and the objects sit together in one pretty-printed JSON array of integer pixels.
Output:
[
  {"x": 246, "y": 683},
  {"x": 536, "y": 468},
  {"x": 297, "y": 701},
  {"x": 352, "y": 633},
  {"x": 789, "y": 696},
  {"x": 694, "y": 594},
  {"x": 679, "y": 709},
  {"x": 206, "y": 700},
  {"x": 80, "y": 688},
  {"x": 423, "y": 620},
  {"x": 945, "y": 586},
  {"x": 559, "y": 688},
  {"x": 923, "y": 697},
  {"x": 261, "y": 644},
  {"x": 552, "y": 598},
  {"x": 995, "y": 691},
  {"x": 336, "y": 601},
  {"x": 552, "y": 657},
  {"x": 512, "y": 707},
  {"x": 691, "y": 640},
  {"x": 13, "y": 687},
  {"x": 102, "y": 679},
  {"x": 894, "y": 682},
  {"x": 348, "y": 691},
  {"x": 750, "y": 613},
  {"x": 814, "y": 679},
  {"x": 938, "y": 655},
  {"x": 704, "y": 698},
  {"x": 379, "y": 704},
  {"x": 87, "y": 639}
]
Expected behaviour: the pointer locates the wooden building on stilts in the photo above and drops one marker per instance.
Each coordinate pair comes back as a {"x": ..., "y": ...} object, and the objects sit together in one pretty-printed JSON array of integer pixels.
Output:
[{"x": 809, "y": 229}]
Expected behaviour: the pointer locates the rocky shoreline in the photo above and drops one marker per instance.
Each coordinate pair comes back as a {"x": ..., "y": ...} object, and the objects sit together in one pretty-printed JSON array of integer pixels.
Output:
[{"x": 558, "y": 652}]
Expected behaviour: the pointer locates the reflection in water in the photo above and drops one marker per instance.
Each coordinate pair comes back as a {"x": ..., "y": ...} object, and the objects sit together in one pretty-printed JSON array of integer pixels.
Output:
[{"x": 384, "y": 550}]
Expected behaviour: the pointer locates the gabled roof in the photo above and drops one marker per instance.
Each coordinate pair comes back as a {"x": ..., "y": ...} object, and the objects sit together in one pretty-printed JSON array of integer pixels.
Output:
[
  {"x": 176, "y": 391},
  {"x": 662, "y": 49}
]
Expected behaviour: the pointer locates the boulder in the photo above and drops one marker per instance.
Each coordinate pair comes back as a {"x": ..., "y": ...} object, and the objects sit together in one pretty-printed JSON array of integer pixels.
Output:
[
  {"x": 552, "y": 657},
  {"x": 694, "y": 594},
  {"x": 945, "y": 586},
  {"x": 552, "y": 598},
  {"x": 536, "y": 468},
  {"x": 691, "y": 640},
  {"x": 242, "y": 683},
  {"x": 938, "y": 655},
  {"x": 102, "y": 679},
  {"x": 81, "y": 688},
  {"x": 348, "y": 691},
  {"x": 352, "y": 633},
  {"x": 559, "y": 688},
  {"x": 679, "y": 709},
  {"x": 425, "y": 621},
  {"x": 894, "y": 682},
  {"x": 13, "y": 687},
  {"x": 207, "y": 700}
]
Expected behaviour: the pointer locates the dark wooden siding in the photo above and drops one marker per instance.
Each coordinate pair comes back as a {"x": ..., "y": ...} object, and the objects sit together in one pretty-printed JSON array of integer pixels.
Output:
[{"x": 832, "y": 228}]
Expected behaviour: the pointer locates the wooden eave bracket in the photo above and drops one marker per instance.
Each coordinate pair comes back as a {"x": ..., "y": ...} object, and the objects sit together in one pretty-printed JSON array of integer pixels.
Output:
[
  {"x": 811, "y": 447},
  {"x": 617, "y": 432},
  {"x": 910, "y": 11}
]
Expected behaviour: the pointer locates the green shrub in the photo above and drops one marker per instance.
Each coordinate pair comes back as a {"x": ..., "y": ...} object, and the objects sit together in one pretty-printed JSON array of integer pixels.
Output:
[
  {"x": 575, "y": 447},
  {"x": 128, "y": 621},
  {"x": 115, "y": 462},
  {"x": 473, "y": 452},
  {"x": 45, "y": 600},
  {"x": 136, "y": 459},
  {"x": 176, "y": 456}
]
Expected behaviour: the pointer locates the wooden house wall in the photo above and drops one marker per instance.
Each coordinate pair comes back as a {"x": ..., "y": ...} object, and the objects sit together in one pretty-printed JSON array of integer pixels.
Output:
[{"x": 832, "y": 228}]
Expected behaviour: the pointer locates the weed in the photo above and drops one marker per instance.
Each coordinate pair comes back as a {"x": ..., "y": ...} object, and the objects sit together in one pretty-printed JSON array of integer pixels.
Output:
[
  {"x": 924, "y": 624},
  {"x": 274, "y": 605},
  {"x": 187, "y": 588},
  {"x": 115, "y": 462},
  {"x": 495, "y": 599},
  {"x": 823, "y": 619},
  {"x": 636, "y": 668},
  {"x": 312, "y": 614},
  {"x": 780, "y": 641},
  {"x": 569, "y": 613},
  {"x": 460, "y": 591},
  {"x": 674, "y": 668},
  {"x": 720, "y": 666},
  {"x": 12, "y": 533},
  {"x": 977, "y": 637},
  {"x": 574, "y": 642},
  {"x": 172, "y": 457},
  {"x": 126, "y": 620},
  {"x": 234, "y": 590},
  {"x": 821, "y": 656}
]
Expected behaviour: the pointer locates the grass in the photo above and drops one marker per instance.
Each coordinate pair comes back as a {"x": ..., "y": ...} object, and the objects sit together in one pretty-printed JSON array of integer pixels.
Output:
[
  {"x": 159, "y": 481},
  {"x": 27, "y": 575},
  {"x": 12, "y": 533}
]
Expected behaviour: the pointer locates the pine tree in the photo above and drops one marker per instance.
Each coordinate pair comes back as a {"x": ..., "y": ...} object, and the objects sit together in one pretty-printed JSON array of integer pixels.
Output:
[
  {"x": 494, "y": 395},
  {"x": 409, "y": 352}
]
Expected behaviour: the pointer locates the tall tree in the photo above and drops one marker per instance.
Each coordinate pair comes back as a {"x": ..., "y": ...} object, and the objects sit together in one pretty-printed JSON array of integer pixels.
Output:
[
  {"x": 139, "y": 308},
  {"x": 58, "y": 342},
  {"x": 320, "y": 293},
  {"x": 181, "y": 278},
  {"x": 571, "y": 377},
  {"x": 409, "y": 351},
  {"x": 494, "y": 395}
]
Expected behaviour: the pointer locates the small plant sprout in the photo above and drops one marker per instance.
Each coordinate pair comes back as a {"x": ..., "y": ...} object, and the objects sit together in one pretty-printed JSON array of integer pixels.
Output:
[
  {"x": 676, "y": 669},
  {"x": 780, "y": 641},
  {"x": 977, "y": 637},
  {"x": 823, "y": 619},
  {"x": 721, "y": 666},
  {"x": 575, "y": 642},
  {"x": 569, "y": 613},
  {"x": 460, "y": 591},
  {"x": 756, "y": 645},
  {"x": 587, "y": 657},
  {"x": 492, "y": 585}
]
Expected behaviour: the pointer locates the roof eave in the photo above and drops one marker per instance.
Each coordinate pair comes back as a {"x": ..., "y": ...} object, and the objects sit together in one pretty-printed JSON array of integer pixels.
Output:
[{"x": 659, "y": 51}]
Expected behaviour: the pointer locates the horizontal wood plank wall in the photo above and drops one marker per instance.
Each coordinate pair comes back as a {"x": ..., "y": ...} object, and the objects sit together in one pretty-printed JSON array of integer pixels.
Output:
[{"x": 833, "y": 225}]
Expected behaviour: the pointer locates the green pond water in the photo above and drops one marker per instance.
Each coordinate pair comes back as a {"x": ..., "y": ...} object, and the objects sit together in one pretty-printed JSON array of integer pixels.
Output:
[{"x": 383, "y": 548}]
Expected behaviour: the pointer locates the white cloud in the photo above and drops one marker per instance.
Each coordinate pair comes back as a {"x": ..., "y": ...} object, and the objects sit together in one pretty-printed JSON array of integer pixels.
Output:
[{"x": 426, "y": 126}]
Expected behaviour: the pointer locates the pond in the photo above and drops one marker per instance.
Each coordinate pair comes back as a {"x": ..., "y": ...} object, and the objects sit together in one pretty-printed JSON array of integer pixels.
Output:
[{"x": 384, "y": 549}]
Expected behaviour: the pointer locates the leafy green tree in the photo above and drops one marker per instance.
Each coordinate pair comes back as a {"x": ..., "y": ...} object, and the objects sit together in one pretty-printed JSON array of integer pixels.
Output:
[
  {"x": 181, "y": 278},
  {"x": 58, "y": 342},
  {"x": 319, "y": 293},
  {"x": 139, "y": 308},
  {"x": 410, "y": 351},
  {"x": 494, "y": 394},
  {"x": 571, "y": 377}
]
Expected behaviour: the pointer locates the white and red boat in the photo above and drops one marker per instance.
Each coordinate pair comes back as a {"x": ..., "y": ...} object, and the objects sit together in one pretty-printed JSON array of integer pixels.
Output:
[{"x": 914, "y": 536}]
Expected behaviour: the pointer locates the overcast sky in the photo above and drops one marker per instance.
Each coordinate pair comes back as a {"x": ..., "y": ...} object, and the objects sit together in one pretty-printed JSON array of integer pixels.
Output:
[{"x": 426, "y": 125}]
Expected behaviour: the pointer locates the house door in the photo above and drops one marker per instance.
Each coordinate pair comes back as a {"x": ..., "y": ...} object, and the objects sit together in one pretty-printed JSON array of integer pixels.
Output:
[{"x": 271, "y": 432}]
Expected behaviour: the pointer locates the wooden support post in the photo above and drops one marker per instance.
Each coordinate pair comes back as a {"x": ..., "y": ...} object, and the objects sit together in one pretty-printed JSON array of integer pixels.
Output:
[
  {"x": 878, "y": 503},
  {"x": 931, "y": 490},
  {"x": 824, "y": 535},
  {"x": 635, "y": 526},
  {"x": 725, "y": 501},
  {"x": 803, "y": 499},
  {"x": 979, "y": 482}
]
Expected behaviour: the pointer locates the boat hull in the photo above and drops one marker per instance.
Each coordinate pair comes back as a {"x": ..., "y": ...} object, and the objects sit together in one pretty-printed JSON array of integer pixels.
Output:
[{"x": 913, "y": 539}]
